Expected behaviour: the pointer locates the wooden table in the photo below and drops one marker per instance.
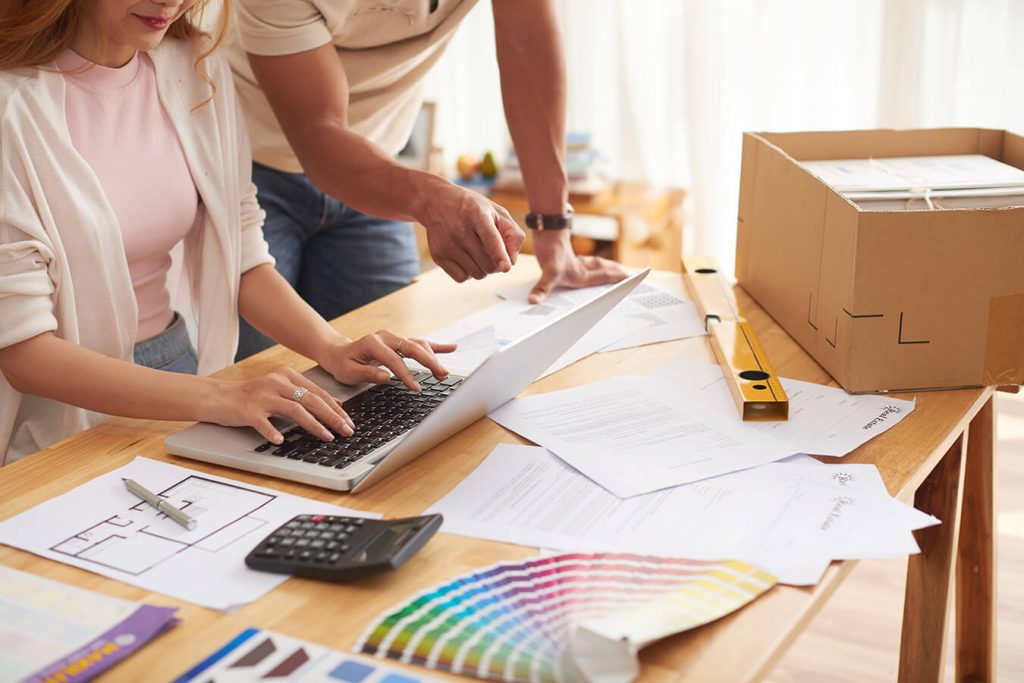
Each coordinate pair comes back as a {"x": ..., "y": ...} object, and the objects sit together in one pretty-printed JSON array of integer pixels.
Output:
[{"x": 927, "y": 458}]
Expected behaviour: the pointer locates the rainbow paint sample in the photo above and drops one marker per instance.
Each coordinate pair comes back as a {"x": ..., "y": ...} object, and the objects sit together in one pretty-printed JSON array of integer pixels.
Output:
[{"x": 562, "y": 618}]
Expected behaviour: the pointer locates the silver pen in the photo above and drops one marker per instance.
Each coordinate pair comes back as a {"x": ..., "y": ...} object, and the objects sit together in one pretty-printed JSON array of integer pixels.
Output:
[{"x": 160, "y": 504}]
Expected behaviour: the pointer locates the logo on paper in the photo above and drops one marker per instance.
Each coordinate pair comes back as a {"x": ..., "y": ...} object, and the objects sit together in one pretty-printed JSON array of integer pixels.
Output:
[
  {"x": 883, "y": 416},
  {"x": 843, "y": 478}
]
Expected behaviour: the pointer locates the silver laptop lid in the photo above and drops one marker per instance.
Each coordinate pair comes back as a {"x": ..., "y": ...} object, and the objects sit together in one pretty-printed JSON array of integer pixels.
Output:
[{"x": 499, "y": 378}]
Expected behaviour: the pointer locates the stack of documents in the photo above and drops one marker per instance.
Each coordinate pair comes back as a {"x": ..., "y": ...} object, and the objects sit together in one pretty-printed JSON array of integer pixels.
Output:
[
  {"x": 791, "y": 518},
  {"x": 648, "y": 315},
  {"x": 53, "y": 632},
  {"x": 930, "y": 182}
]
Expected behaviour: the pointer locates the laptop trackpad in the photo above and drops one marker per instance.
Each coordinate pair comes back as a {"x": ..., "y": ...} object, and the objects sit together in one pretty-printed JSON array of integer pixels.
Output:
[{"x": 325, "y": 380}]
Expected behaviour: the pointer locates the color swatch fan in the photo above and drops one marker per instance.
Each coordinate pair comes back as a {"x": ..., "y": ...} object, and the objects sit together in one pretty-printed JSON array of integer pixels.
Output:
[{"x": 566, "y": 618}]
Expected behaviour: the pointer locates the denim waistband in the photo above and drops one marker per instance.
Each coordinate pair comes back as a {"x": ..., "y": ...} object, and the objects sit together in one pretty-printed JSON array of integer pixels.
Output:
[{"x": 166, "y": 347}]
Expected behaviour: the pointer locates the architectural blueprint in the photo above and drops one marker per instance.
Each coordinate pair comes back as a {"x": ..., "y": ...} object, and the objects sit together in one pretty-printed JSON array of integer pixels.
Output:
[{"x": 103, "y": 528}]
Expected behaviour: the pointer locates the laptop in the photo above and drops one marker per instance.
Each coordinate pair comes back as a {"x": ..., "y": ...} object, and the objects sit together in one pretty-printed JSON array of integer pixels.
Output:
[{"x": 395, "y": 425}]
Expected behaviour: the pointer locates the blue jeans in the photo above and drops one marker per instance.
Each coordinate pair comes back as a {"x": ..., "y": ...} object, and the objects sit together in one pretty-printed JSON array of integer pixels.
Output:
[
  {"x": 336, "y": 258},
  {"x": 171, "y": 350}
]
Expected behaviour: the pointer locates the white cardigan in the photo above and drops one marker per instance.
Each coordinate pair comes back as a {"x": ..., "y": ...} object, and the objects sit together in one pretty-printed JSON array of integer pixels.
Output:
[{"x": 62, "y": 262}]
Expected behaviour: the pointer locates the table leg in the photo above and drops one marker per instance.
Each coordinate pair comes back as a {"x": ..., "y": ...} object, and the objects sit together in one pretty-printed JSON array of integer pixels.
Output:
[
  {"x": 930, "y": 574},
  {"x": 975, "y": 569}
]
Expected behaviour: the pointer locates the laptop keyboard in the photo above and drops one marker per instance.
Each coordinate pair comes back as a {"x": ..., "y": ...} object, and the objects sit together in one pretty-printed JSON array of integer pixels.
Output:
[{"x": 381, "y": 413}]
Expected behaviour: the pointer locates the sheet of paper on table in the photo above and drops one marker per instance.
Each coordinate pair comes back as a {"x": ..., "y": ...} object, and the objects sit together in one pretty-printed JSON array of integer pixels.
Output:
[
  {"x": 648, "y": 315},
  {"x": 633, "y": 435},
  {"x": 103, "y": 528},
  {"x": 791, "y": 517},
  {"x": 822, "y": 420}
]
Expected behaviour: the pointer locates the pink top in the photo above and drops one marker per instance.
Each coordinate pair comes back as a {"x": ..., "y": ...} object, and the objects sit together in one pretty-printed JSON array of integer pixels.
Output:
[{"x": 119, "y": 126}]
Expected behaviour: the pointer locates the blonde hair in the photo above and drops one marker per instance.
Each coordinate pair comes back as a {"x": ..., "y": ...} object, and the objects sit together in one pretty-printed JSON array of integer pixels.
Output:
[{"x": 35, "y": 32}]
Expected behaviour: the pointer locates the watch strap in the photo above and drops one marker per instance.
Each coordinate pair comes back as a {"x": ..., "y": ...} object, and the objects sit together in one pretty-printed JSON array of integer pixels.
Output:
[{"x": 550, "y": 221}]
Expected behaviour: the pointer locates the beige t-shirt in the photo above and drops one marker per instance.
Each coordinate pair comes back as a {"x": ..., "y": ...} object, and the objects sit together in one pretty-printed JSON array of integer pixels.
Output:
[{"x": 385, "y": 46}]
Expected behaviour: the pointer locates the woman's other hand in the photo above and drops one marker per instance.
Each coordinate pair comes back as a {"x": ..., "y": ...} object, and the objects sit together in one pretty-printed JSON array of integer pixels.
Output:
[{"x": 282, "y": 392}]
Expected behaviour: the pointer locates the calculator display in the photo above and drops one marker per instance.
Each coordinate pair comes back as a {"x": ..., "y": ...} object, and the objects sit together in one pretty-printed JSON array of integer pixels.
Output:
[{"x": 380, "y": 545}]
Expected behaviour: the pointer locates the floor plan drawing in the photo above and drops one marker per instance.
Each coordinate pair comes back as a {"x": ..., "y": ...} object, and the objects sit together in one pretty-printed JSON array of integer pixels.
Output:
[
  {"x": 142, "y": 537},
  {"x": 102, "y": 527}
]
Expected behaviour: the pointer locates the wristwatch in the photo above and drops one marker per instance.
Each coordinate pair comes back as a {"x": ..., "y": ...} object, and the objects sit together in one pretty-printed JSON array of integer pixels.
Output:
[{"x": 550, "y": 221}]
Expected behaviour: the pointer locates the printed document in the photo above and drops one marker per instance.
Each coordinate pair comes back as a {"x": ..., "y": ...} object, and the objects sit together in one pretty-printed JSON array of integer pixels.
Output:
[
  {"x": 648, "y": 315},
  {"x": 792, "y": 517},
  {"x": 822, "y": 420},
  {"x": 101, "y": 527},
  {"x": 634, "y": 434}
]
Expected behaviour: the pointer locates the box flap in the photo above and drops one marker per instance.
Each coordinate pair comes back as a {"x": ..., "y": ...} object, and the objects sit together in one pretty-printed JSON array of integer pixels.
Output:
[{"x": 860, "y": 144}]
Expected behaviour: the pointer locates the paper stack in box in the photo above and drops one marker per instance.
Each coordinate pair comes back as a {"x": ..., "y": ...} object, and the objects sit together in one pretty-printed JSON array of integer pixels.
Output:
[{"x": 960, "y": 181}]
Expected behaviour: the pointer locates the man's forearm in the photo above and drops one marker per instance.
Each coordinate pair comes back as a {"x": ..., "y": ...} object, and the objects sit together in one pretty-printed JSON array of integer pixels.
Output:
[
  {"x": 533, "y": 89},
  {"x": 345, "y": 165}
]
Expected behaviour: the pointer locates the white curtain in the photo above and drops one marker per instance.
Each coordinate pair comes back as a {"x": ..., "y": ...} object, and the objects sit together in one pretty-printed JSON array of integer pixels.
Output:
[{"x": 666, "y": 87}]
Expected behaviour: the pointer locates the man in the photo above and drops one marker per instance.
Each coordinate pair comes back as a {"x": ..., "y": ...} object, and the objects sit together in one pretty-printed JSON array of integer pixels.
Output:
[{"x": 331, "y": 89}]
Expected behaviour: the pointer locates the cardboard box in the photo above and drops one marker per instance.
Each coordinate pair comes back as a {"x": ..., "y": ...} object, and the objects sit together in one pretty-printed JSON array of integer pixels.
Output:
[{"x": 884, "y": 300}]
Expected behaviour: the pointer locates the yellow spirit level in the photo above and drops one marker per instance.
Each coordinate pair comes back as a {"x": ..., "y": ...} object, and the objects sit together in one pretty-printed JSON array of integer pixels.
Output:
[{"x": 754, "y": 386}]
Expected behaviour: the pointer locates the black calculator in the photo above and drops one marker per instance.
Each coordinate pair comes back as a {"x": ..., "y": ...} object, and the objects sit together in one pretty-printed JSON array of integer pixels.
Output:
[{"x": 335, "y": 548}]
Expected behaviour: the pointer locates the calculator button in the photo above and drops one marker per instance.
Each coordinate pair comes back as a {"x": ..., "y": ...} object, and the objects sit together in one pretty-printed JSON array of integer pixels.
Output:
[
  {"x": 302, "y": 543},
  {"x": 334, "y": 558},
  {"x": 358, "y": 521},
  {"x": 305, "y": 555},
  {"x": 316, "y": 544},
  {"x": 287, "y": 542},
  {"x": 316, "y": 519}
]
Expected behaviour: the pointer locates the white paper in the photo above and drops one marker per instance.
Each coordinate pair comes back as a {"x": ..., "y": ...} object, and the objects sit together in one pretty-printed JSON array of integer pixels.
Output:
[
  {"x": 792, "y": 518},
  {"x": 632, "y": 436},
  {"x": 484, "y": 332},
  {"x": 822, "y": 420},
  {"x": 913, "y": 173},
  {"x": 103, "y": 528},
  {"x": 650, "y": 314}
]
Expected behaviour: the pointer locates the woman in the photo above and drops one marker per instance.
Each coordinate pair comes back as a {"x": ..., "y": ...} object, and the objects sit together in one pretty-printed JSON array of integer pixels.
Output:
[{"x": 116, "y": 144}]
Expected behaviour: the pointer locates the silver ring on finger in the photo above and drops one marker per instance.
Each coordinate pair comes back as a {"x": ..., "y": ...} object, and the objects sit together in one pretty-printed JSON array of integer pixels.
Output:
[
  {"x": 299, "y": 393},
  {"x": 398, "y": 349}
]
